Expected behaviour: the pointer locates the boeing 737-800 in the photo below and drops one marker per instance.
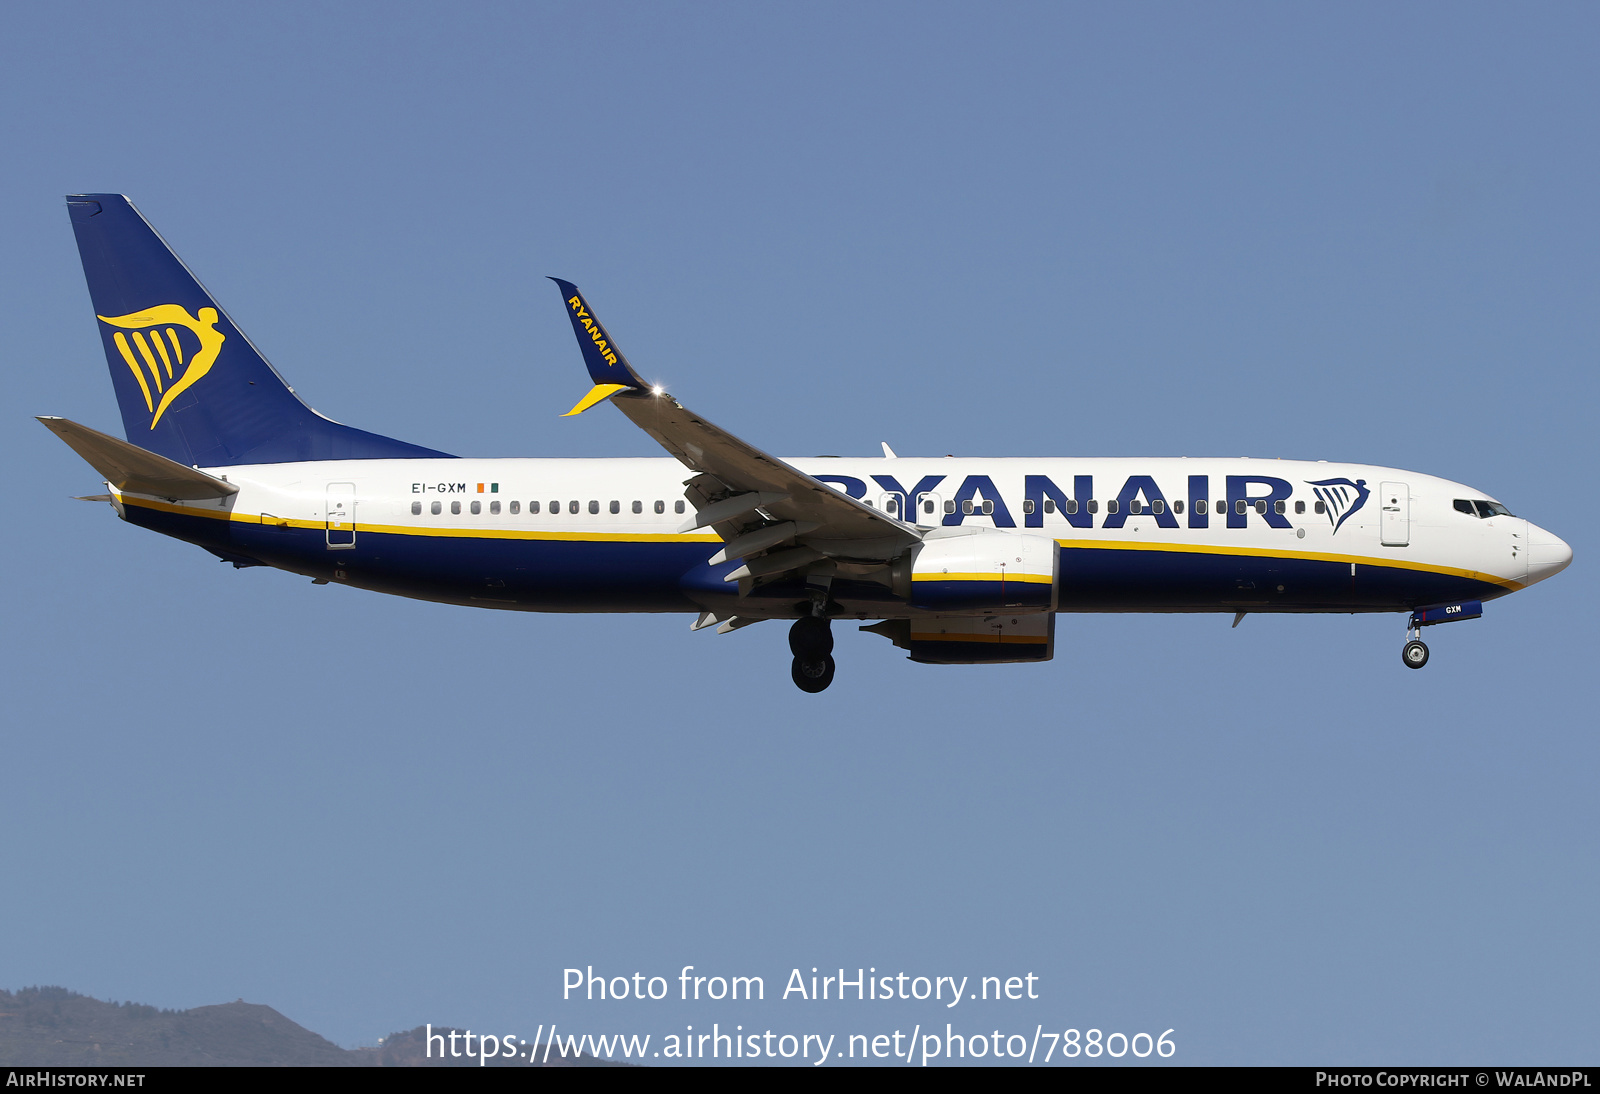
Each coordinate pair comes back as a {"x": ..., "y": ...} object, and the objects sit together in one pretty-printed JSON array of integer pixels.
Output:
[{"x": 957, "y": 561}]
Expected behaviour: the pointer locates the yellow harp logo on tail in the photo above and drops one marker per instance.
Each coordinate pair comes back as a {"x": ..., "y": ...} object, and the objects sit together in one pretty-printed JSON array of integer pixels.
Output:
[{"x": 155, "y": 346}]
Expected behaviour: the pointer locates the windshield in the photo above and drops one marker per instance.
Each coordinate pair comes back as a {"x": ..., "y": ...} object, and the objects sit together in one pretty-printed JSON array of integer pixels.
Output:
[{"x": 1481, "y": 509}]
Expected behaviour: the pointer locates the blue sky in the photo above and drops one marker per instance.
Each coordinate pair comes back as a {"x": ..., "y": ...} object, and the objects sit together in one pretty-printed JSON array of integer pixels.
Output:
[{"x": 1351, "y": 232}]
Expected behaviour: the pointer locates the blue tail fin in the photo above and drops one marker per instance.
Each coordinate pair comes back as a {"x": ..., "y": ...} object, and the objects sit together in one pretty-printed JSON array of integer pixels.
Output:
[{"x": 190, "y": 385}]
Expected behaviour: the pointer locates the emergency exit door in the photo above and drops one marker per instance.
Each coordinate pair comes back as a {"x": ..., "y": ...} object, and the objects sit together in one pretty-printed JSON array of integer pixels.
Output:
[
  {"x": 341, "y": 515},
  {"x": 1394, "y": 521}
]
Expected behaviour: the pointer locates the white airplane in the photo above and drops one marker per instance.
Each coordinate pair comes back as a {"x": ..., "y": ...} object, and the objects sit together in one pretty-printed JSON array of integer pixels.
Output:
[{"x": 957, "y": 561}]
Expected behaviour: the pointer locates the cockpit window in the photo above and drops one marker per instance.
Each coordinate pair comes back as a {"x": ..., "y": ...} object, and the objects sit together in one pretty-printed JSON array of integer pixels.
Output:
[{"x": 1481, "y": 509}]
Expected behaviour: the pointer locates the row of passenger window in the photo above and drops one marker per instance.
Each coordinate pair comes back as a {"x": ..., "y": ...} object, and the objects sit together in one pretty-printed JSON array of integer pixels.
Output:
[
  {"x": 534, "y": 507},
  {"x": 1135, "y": 507}
]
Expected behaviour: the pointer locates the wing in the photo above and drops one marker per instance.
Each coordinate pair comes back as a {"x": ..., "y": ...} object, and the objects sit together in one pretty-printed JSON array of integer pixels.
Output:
[{"x": 770, "y": 514}]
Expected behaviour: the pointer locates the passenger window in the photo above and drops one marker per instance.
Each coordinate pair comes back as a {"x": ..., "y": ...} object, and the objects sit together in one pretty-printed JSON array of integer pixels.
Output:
[
  {"x": 966, "y": 508},
  {"x": 1319, "y": 508},
  {"x": 616, "y": 507},
  {"x": 1027, "y": 506},
  {"x": 927, "y": 506},
  {"x": 1261, "y": 507},
  {"x": 1222, "y": 507},
  {"x": 677, "y": 507},
  {"x": 1278, "y": 507},
  {"x": 1177, "y": 507},
  {"x": 594, "y": 507},
  {"x": 477, "y": 507},
  {"x": 1072, "y": 507},
  {"x": 455, "y": 508},
  {"x": 1158, "y": 507},
  {"x": 494, "y": 507},
  {"x": 1299, "y": 507},
  {"x": 988, "y": 508},
  {"x": 892, "y": 505},
  {"x": 949, "y": 507},
  {"x": 1094, "y": 506},
  {"x": 434, "y": 508},
  {"x": 1112, "y": 507},
  {"x": 638, "y": 507},
  {"x": 1239, "y": 507},
  {"x": 555, "y": 508},
  {"x": 533, "y": 507},
  {"x": 1135, "y": 506},
  {"x": 572, "y": 507},
  {"x": 867, "y": 503},
  {"x": 516, "y": 507},
  {"x": 416, "y": 508},
  {"x": 1049, "y": 505},
  {"x": 1200, "y": 506},
  {"x": 661, "y": 507}
]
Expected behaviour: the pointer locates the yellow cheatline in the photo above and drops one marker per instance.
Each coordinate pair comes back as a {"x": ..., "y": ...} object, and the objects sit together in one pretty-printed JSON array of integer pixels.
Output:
[
  {"x": 1309, "y": 556},
  {"x": 1032, "y": 579},
  {"x": 439, "y": 533},
  {"x": 596, "y": 394},
  {"x": 127, "y": 355}
]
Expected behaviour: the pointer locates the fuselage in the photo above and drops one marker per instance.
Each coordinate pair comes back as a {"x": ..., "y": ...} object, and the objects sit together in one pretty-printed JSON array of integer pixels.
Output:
[{"x": 1140, "y": 535}]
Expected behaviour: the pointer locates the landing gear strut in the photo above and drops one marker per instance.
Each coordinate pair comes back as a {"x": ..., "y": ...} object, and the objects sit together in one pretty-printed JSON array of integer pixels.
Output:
[
  {"x": 811, "y": 642},
  {"x": 1414, "y": 653}
]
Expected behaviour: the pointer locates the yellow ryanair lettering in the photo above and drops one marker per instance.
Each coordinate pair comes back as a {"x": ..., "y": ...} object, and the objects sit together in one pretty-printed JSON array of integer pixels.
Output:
[
  {"x": 203, "y": 327},
  {"x": 596, "y": 331}
]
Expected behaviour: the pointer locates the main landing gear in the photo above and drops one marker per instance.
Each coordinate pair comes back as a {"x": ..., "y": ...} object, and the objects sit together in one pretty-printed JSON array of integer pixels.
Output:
[{"x": 811, "y": 642}]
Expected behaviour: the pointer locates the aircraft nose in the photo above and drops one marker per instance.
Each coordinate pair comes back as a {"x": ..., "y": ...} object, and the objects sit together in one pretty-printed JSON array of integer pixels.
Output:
[{"x": 1548, "y": 554}]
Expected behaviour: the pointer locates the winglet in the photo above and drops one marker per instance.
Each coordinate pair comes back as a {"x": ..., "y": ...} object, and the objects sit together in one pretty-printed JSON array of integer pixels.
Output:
[
  {"x": 598, "y": 393},
  {"x": 608, "y": 368}
]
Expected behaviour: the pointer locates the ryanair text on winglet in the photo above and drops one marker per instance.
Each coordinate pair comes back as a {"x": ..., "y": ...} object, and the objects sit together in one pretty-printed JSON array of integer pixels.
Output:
[{"x": 596, "y": 332}]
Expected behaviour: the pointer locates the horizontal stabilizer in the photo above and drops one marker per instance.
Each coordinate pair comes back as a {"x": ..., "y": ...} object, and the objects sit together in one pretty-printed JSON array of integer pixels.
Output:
[{"x": 133, "y": 470}]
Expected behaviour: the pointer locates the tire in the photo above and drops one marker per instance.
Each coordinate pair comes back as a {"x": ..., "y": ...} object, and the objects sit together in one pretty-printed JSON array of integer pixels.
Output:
[
  {"x": 812, "y": 676},
  {"x": 811, "y": 638},
  {"x": 1415, "y": 654}
]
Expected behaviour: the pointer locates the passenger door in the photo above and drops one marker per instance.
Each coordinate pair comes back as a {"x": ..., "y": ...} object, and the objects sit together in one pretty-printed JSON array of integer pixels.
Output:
[
  {"x": 341, "y": 515},
  {"x": 1394, "y": 521}
]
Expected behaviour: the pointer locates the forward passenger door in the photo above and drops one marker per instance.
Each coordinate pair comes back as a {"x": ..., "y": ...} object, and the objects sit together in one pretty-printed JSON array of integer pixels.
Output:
[{"x": 1394, "y": 521}]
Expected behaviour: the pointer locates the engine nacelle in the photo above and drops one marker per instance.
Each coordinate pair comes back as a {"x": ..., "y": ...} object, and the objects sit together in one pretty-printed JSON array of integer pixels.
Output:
[{"x": 985, "y": 571}]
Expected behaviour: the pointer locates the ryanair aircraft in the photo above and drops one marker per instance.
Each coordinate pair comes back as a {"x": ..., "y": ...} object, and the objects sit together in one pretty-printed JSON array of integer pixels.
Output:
[{"x": 956, "y": 561}]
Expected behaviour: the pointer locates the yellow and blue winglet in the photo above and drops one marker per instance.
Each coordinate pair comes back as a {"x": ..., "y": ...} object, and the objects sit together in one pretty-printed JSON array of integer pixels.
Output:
[{"x": 608, "y": 368}]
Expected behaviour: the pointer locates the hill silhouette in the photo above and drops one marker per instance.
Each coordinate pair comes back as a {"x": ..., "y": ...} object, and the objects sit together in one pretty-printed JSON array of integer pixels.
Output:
[{"x": 54, "y": 1027}]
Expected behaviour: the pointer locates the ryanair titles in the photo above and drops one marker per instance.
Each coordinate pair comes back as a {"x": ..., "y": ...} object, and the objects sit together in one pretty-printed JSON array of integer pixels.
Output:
[
  {"x": 1234, "y": 501},
  {"x": 596, "y": 332}
]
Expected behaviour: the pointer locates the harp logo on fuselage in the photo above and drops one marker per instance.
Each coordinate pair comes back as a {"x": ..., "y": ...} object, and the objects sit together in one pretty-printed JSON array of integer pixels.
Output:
[{"x": 164, "y": 359}]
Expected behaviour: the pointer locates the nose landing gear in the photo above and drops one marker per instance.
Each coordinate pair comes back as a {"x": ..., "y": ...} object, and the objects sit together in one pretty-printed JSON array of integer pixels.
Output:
[
  {"x": 1414, "y": 653},
  {"x": 811, "y": 642}
]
